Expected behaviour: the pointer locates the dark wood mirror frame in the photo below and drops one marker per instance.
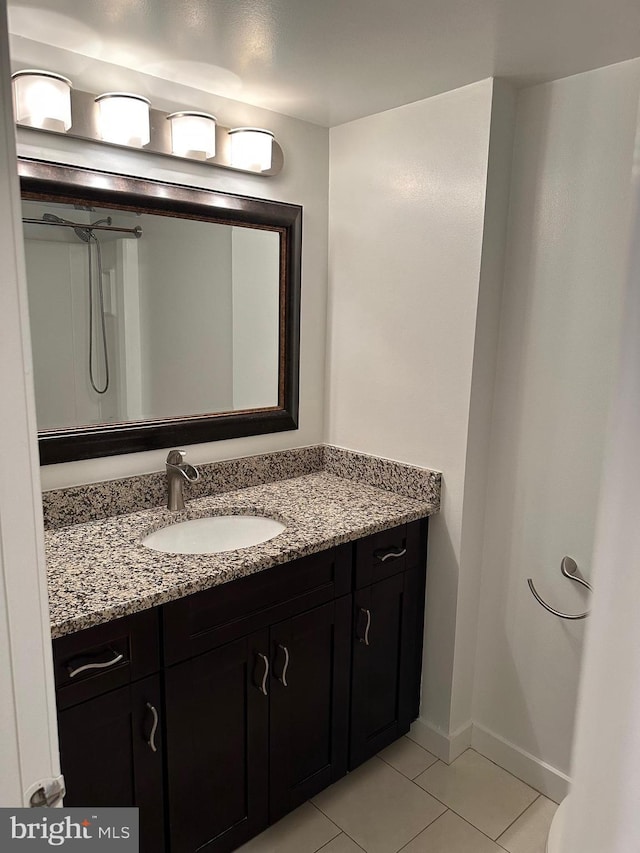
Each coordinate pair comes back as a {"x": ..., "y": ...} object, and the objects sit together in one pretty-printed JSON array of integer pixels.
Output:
[{"x": 54, "y": 182}]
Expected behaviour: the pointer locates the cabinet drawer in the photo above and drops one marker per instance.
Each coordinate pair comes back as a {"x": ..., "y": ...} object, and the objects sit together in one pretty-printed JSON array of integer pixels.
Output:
[
  {"x": 107, "y": 656},
  {"x": 387, "y": 553},
  {"x": 208, "y": 619}
]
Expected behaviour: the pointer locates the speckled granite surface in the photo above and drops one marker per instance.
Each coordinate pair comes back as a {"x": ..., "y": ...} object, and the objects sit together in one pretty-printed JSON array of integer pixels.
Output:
[
  {"x": 79, "y": 504},
  {"x": 419, "y": 483},
  {"x": 99, "y": 570}
]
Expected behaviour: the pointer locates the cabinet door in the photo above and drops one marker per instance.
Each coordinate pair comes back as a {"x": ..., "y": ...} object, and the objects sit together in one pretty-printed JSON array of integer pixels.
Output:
[
  {"x": 108, "y": 758},
  {"x": 309, "y": 719},
  {"x": 386, "y": 645},
  {"x": 217, "y": 746}
]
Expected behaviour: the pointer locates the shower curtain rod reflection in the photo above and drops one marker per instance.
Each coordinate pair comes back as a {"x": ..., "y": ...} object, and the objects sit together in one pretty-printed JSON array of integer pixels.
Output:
[{"x": 136, "y": 232}]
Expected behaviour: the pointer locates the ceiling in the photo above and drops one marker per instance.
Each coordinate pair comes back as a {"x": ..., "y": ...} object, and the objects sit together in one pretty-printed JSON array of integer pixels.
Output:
[{"x": 324, "y": 61}]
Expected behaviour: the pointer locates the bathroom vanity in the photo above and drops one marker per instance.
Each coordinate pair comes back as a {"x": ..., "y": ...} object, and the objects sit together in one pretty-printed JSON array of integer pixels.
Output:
[
  {"x": 240, "y": 693},
  {"x": 215, "y": 691},
  {"x": 265, "y": 690}
]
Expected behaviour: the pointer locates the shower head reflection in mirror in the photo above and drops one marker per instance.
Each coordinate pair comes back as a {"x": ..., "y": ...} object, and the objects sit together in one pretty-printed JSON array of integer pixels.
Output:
[
  {"x": 87, "y": 235},
  {"x": 157, "y": 311}
]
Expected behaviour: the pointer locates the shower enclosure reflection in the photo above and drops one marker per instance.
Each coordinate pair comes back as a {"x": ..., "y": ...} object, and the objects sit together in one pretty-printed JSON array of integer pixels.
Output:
[
  {"x": 142, "y": 317},
  {"x": 96, "y": 293}
]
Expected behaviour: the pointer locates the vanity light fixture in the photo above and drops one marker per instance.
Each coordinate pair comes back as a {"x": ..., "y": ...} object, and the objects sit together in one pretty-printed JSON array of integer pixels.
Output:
[
  {"x": 193, "y": 134},
  {"x": 124, "y": 118},
  {"x": 251, "y": 148},
  {"x": 42, "y": 99}
]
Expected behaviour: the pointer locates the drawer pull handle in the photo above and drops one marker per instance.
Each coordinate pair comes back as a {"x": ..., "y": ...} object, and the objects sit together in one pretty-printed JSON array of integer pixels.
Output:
[
  {"x": 283, "y": 677},
  {"x": 263, "y": 686},
  {"x": 365, "y": 638},
  {"x": 87, "y": 666},
  {"x": 152, "y": 737},
  {"x": 392, "y": 554}
]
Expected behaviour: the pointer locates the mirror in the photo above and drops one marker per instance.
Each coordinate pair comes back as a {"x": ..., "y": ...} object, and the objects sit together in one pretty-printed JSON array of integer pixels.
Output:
[{"x": 160, "y": 314}]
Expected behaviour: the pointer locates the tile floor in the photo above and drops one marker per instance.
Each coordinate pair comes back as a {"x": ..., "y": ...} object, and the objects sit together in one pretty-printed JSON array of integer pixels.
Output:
[{"x": 406, "y": 800}]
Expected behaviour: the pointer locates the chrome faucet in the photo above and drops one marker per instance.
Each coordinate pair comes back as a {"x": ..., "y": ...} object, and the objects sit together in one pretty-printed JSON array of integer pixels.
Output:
[{"x": 177, "y": 472}]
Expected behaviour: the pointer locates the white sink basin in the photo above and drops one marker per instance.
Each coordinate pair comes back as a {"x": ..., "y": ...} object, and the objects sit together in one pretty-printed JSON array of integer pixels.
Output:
[{"x": 214, "y": 534}]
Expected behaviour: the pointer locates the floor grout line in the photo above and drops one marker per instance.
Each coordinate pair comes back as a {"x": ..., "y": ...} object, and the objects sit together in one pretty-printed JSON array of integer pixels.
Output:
[
  {"x": 355, "y": 842},
  {"x": 443, "y": 804},
  {"x": 319, "y": 810},
  {"x": 411, "y": 840},
  {"x": 500, "y": 767},
  {"x": 519, "y": 816},
  {"x": 326, "y": 844},
  {"x": 490, "y": 760},
  {"x": 477, "y": 828},
  {"x": 410, "y": 778},
  {"x": 342, "y": 832},
  {"x": 426, "y": 751},
  {"x": 331, "y": 840},
  {"x": 406, "y": 778}
]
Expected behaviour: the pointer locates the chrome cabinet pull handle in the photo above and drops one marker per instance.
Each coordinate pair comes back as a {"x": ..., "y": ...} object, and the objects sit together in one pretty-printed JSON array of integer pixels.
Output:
[
  {"x": 263, "y": 686},
  {"x": 283, "y": 677},
  {"x": 152, "y": 737},
  {"x": 87, "y": 666},
  {"x": 392, "y": 554},
  {"x": 365, "y": 639}
]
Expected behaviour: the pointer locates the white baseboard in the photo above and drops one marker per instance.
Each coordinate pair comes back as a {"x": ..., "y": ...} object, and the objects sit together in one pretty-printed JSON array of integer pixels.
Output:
[
  {"x": 445, "y": 747},
  {"x": 542, "y": 776}
]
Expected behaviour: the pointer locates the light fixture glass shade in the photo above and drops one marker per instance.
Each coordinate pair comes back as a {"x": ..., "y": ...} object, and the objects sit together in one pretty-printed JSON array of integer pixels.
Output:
[
  {"x": 42, "y": 99},
  {"x": 193, "y": 135},
  {"x": 124, "y": 118},
  {"x": 251, "y": 148}
]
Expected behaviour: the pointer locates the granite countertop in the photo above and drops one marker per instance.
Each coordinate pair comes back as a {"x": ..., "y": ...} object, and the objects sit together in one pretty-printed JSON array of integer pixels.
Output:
[{"x": 99, "y": 570}]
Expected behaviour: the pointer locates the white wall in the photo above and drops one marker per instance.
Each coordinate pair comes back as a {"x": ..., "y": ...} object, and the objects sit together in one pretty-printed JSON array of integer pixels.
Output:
[
  {"x": 602, "y": 812},
  {"x": 565, "y": 272},
  {"x": 304, "y": 181},
  {"x": 407, "y": 209},
  {"x": 485, "y": 354}
]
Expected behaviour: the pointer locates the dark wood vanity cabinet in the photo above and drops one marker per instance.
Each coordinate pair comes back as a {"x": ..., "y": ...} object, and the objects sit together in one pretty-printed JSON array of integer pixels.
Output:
[
  {"x": 388, "y": 615},
  {"x": 256, "y": 727},
  {"x": 271, "y": 687},
  {"x": 257, "y": 721},
  {"x": 217, "y": 747},
  {"x": 107, "y": 759},
  {"x": 109, "y": 704},
  {"x": 309, "y": 704}
]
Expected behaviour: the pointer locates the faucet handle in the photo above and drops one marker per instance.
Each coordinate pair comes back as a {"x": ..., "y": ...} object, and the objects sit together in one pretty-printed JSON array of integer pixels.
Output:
[{"x": 176, "y": 457}]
